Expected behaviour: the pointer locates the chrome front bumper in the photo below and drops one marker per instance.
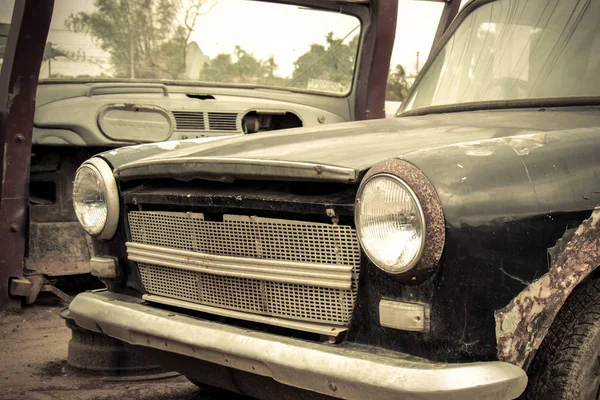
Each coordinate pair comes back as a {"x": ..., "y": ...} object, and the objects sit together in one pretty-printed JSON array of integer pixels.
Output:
[{"x": 336, "y": 370}]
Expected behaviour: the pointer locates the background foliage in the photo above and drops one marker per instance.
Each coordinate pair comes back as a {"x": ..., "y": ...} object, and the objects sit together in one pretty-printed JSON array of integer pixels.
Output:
[{"x": 146, "y": 40}]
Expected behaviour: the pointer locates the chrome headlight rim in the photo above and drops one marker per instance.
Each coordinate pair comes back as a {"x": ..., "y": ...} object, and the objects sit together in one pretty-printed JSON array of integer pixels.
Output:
[
  {"x": 357, "y": 216},
  {"x": 434, "y": 229},
  {"x": 111, "y": 193}
]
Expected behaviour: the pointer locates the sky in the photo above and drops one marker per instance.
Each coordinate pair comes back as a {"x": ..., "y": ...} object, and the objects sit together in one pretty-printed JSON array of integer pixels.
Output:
[{"x": 261, "y": 28}]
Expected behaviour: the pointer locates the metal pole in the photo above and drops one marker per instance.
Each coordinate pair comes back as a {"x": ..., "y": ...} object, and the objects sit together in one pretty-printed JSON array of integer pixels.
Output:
[
  {"x": 18, "y": 84},
  {"x": 131, "y": 57},
  {"x": 451, "y": 8},
  {"x": 375, "y": 60}
]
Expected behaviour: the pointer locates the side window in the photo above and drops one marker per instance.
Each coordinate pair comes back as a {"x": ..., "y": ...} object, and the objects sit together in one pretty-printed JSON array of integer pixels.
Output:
[
  {"x": 415, "y": 31},
  {"x": 6, "y": 8}
]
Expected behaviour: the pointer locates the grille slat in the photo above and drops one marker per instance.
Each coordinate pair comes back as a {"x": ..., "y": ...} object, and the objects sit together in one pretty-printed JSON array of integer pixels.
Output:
[
  {"x": 199, "y": 120},
  {"x": 255, "y": 238},
  {"x": 222, "y": 121},
  {"x": 189, "y": 120}
]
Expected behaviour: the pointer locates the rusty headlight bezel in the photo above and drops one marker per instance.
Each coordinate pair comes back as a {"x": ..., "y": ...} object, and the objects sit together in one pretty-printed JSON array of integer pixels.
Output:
[{"x": 429, "y": 204}]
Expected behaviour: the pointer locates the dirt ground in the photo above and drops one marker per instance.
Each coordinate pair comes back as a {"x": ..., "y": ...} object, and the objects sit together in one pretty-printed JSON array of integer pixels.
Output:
[{"x": 33, "y": 353}]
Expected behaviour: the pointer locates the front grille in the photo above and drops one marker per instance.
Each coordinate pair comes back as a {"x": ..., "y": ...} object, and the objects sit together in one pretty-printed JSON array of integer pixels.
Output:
[{"x": 312, "y": 246}]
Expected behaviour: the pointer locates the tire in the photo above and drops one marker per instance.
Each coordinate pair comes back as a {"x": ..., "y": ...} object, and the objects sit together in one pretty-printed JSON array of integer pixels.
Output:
[{"x": 567, "y": 366}]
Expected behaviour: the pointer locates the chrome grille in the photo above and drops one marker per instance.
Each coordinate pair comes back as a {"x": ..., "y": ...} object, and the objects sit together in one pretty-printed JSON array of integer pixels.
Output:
[
  {"x": 188, "y": 120},
  {"x": 222, "y": 121},
  {"x": 255, "y": 238}
]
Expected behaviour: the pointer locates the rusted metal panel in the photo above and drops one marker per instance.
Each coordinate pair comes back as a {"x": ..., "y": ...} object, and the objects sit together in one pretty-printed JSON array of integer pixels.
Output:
[
  {"x": 20, "y": 287},
  {"x": 18, "y": 85},
  {"x": 448, "y": 13},
  {"x": 58, "y": 249},
  {"x": 522, "y": 325},
  {"x": 375, "y": 61}
]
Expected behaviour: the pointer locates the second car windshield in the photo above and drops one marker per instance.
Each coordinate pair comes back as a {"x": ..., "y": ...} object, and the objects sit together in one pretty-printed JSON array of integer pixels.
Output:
[
  {"x": 513, "y": 50},
  {"x": 220, "y": 41}
]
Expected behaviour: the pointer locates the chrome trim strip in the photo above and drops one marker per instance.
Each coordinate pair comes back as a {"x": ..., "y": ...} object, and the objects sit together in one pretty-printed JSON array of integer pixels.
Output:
[
  {"x": 344, "y": 371},
  {"x": 218, "y": 167},
  {"x": 326, "y": 330},
  {"x": 302, "y": 273}
]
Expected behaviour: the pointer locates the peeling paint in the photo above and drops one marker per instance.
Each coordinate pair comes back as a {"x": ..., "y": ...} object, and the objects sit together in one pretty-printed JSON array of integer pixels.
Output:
[
  {"x": 4, "y": 162},
  {"x": 478, "y": 149},
  {"x": 16, "y": 90},
  {"x": 516, "y": 278},
  {"x": 168, "y": 145},
  {"x": 522, "y": 145},
  {"x": 522, "y": 325},
  {"x": 208, "y": 139}
]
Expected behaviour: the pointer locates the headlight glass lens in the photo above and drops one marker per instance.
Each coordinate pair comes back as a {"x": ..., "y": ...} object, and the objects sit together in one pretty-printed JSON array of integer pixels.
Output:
[
  {"x": 390, "y": 223},
  {"x": 89, "y": 200}
]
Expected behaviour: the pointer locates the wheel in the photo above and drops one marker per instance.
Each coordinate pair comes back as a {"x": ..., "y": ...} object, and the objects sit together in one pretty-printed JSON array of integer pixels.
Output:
[{"x": 567, "y": 365}]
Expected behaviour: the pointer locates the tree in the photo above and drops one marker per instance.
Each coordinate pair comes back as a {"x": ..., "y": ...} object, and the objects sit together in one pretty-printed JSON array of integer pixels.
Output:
[
  {"x": 143, "y": 37},
  {"x": 397, "y": 86},
  {"x": 242, "y": 67},
  {"x": 332, "y": 62}
]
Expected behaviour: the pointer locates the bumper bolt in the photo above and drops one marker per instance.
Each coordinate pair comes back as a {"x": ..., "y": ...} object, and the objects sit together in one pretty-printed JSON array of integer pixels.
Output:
[{"x": 332, "y": 386}]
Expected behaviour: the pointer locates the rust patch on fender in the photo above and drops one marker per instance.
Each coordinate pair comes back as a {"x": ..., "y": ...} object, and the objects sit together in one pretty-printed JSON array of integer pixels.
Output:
[{"x": 522, "y": 325}]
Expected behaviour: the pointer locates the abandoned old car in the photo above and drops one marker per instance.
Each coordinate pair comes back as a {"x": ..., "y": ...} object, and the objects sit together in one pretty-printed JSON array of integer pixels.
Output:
[
  {"x": 141, "y": 72},
  {"x": 448, "y": 253}
]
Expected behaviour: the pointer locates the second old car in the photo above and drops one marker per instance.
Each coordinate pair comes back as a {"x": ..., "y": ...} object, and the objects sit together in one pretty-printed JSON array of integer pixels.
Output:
[{"x": 448, "y": 253}]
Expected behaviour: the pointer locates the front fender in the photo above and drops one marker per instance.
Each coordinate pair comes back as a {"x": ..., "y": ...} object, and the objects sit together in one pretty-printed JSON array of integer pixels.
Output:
[
  {"x": 507, "y": 202},
  {"x": 523, "y": 324}
]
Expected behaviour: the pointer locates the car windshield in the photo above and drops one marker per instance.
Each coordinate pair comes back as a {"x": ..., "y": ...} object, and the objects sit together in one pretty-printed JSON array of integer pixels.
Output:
[
  {"x": 516, "y": 50},
  {"x": 237, "y": 42}
]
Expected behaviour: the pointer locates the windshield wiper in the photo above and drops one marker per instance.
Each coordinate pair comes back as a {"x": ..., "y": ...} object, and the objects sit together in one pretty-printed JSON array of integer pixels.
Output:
[{"x": 503, "y": 105}]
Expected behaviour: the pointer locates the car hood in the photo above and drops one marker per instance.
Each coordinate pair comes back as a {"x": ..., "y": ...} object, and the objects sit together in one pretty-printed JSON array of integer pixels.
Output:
[{"x": 341, "y": 152}]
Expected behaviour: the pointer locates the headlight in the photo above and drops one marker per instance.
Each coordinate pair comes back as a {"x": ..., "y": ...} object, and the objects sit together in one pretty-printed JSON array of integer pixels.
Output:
[
  {"x": 95, "y": 198},
  {"x": 390, "y": 222},
  {"x": 399, "y": 219}
]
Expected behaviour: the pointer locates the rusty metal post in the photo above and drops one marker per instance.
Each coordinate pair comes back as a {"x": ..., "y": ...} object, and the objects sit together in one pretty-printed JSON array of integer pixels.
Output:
[
  {"x": 375, "y": 61},
  {"x": 18, "y": 85},
  {"x": 450, "y": 11}
]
